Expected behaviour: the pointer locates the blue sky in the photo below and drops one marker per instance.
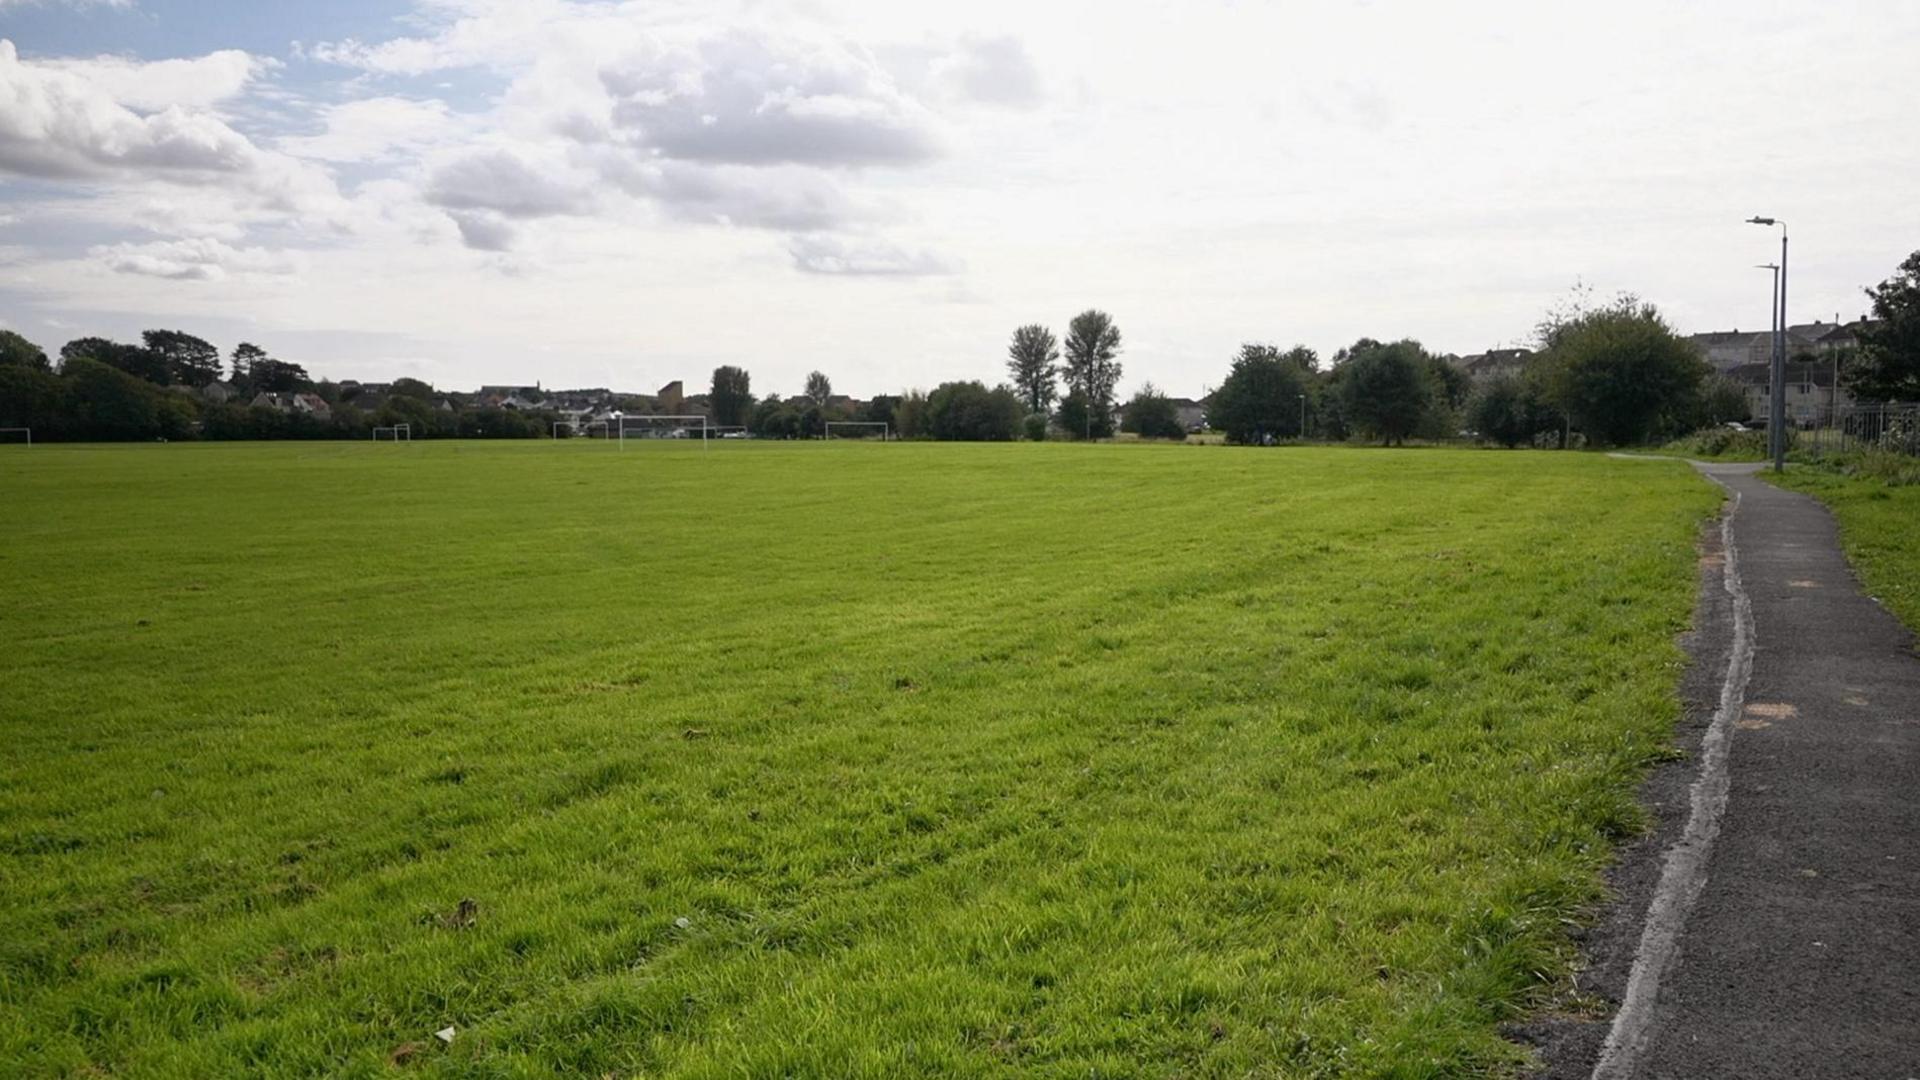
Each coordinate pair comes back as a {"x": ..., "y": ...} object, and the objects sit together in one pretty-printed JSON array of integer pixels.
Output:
[{"x": 593, "y": 192}]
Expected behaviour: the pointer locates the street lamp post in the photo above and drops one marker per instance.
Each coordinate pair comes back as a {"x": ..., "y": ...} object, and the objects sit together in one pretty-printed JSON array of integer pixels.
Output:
[
  {"x": 1303, "y": 417},
  {"x": 1777, "y": 375},
  {"x": 622, "y": 427}
]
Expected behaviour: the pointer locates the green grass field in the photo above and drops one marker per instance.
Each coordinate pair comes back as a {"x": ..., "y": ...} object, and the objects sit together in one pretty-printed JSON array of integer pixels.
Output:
[
  {"x": 1879, "y": 527},
  {"x": 815, "y": 760}
]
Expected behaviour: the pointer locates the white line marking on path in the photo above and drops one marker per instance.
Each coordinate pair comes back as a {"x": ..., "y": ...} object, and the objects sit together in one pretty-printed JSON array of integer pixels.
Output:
[{"x": 1685, "y": 873}]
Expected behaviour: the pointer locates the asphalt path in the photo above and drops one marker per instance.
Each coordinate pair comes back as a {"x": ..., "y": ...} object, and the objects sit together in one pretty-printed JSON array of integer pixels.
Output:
[{"x": 1780, "y": 936}]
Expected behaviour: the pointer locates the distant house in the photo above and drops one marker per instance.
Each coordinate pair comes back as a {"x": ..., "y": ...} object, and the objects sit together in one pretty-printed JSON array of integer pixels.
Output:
[
  {"x": 1493, "y": 362},
  {"x": 294, "y": 403},
  {"x": 1725, "y": 350},
  {"x": 1809, "y": 389},
  {"x": 526, "y": 393},
  {"x": 1192, "y": 414},
  {"x": 671, "y": 396},
  {"x": 218, "y": 393}
]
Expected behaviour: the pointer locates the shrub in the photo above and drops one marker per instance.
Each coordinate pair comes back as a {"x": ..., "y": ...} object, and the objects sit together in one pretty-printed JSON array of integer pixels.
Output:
[{"x": 969, "y": 412}]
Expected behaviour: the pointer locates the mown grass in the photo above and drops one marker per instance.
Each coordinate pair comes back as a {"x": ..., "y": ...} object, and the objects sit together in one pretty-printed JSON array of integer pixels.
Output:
[
  {"x": 1025, "y": 759},
  {"x": 1879, "y": 513}
]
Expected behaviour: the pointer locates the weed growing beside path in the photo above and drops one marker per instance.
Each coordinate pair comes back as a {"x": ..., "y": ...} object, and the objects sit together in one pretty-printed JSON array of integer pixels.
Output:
[{"x": 815, "y": 760}]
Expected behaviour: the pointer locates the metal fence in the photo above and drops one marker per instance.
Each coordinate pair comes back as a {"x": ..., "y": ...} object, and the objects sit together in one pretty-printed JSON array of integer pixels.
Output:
[{"x": 1849, "y": 428}]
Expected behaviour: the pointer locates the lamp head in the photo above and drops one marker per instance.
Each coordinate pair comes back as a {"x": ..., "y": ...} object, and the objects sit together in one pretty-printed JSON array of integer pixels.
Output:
[{"x": 1760, "y": 221}]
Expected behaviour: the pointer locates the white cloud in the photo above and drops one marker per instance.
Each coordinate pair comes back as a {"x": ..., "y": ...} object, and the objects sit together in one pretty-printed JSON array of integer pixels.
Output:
[
  {"x": 865, "y": 258},
  {"x": 994, "y": 70},
  {"x": 484, "y": 231},
  {"x": 150, "y": 86},
  {"x": 502, "y": 182},
  {"x": 59, "y": 123},
  {"x": 749, "y": 98},
  {"x": 201, "y": 259},
  {"x": 789, "y": 199},
  {"x": 377, "y": 129}
]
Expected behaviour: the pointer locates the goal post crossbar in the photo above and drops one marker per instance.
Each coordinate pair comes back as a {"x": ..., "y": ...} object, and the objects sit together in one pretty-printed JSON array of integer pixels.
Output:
[
  {"x": 27, "y": 431},
  {"x": 886, "y": 429}
]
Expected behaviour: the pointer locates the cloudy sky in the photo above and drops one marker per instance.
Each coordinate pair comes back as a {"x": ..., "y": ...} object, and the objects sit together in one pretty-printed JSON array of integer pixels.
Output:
[{"x": 601, "y": 193}]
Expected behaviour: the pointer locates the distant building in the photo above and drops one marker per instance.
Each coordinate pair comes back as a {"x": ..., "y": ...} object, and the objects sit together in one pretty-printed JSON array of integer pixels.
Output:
[
  {"x": 526, "y": 393},
  {"x": 1725, "y": 350},
  {"x": 1192, "y": 414},
  {"x": 218, "y": 393},
  {"x": 295, "y": 403},
  {"x": 1486, "y": 365},
  {"x": 670, "y": 397},
  {"x": 1809, "y": 389}
]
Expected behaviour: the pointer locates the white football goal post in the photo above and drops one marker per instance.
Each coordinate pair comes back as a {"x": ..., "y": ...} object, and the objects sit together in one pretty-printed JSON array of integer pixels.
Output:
[
  {"x": 688, "y": 425},
  {"x": 396, "y": 432},
  {"x": 8, "y": 434},
  {"x": 886, "y": 432}
]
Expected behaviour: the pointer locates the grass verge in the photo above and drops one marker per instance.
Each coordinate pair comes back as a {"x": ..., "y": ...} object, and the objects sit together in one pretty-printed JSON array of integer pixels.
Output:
[{"x": 816, "y": 759}]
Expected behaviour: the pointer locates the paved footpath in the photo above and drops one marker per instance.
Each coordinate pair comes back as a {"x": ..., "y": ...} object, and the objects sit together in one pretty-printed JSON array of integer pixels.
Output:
[{"x": 1800, "y": 954}]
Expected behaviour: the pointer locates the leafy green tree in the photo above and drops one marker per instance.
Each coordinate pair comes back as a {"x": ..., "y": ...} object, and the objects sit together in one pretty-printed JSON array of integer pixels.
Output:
[
  {"x": 1620, "y": 372},
  {"x": 1152, "y": 415},
  {"x": 968, "y": 411},
  {"x": 1035, "y": 427},
  {"x": 910, "y": 416},
  {"x": 880, "y": 409},
  {"x": 1887, "y": 365},
  {"x": 773, "y": 419},
  {"x": 1386, "y": 390},
  {"x": 819, "y": 387},
  {"x": 1452, "y": 390},
  {"x": 813, "y": 420},
  {"x": 31, "y": 397},
  {"x": 1262, "y": 394},
  {"x": 416, "y": 389},
  {"x": 277, "y": 376},
  {"x": 187, "y": 360},
  {"x": 16, "y": 351},
  {"x": 1092, "y": 369},
  {"x": 731, "y": 398},
  {"x": 109, "y": 404},
  {"x": 132, "y": 359},
  {"x": 1033, "y": 359},
  {"x": 1078, "y": 422},
  {"x": 241, "y": 362},
  {"x": 1502, "y": 410}
]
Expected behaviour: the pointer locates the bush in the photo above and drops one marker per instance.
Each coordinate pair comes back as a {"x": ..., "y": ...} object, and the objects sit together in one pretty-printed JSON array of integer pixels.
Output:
[
  {"x": 1623, "y": 374},
  {"x": 1152, "y": 415},
  {"x": 1887, "y": 466},
  {"x": 1386, "y": 391},
  {"x": 1726, "y": 444},
  {"x": 1262, "y": 395},
  {"x": 1036, "y": 427},
  {"x": 969, "y": 412}
]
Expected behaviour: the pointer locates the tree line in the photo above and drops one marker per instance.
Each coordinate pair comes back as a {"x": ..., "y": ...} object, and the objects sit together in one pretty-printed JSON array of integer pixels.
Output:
[
  {"x": 1613, "y": 373},
  {"x": 104, "y": 390}
]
